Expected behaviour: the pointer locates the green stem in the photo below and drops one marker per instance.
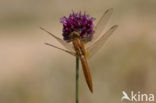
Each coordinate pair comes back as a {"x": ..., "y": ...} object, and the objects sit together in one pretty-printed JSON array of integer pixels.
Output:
[{"x": 77, "y": 81}]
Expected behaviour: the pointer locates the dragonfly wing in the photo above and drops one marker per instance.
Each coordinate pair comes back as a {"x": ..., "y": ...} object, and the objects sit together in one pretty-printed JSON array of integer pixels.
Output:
[
  {"x": 98, "y": 44},
  {"x": 65, "y": 44},
  {"x": 101, "y": 24},
  {"x": 67, "y": 51}
]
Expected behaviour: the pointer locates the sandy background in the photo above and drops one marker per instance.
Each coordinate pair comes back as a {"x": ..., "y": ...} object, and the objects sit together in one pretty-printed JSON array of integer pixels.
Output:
[{"x": 31, "y": 72}]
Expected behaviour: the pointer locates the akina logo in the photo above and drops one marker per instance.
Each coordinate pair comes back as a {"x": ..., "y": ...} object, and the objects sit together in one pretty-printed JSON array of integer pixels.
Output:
[{"x": 137, "y": 97}]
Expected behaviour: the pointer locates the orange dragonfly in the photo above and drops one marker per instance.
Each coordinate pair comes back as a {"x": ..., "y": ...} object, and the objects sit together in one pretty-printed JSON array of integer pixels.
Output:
[{"x": 83, "y": 50}]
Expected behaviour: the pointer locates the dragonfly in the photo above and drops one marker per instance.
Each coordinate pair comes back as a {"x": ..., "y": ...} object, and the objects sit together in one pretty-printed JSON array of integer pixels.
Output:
[{"x": 85, "y": 51}]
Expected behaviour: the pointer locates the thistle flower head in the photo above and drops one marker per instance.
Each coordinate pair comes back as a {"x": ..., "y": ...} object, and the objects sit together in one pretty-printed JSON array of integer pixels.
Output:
[{"x": 78, "y": 22}]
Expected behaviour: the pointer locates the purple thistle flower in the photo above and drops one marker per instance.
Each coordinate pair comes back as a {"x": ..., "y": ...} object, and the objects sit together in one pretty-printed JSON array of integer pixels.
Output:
[{"x": 78, "y": 22}]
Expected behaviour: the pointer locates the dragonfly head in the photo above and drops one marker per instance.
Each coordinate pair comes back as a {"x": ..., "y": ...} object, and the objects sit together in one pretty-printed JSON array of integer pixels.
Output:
[{"x": 74, "y": 35}]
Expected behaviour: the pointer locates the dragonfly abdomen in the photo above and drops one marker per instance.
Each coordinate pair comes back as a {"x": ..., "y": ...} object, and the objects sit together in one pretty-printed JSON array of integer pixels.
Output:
[{"x": 86, "y": 71}]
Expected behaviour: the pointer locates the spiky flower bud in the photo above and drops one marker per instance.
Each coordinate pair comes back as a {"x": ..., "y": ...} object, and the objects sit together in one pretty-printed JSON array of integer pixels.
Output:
[{"x": 78, "y": 22}]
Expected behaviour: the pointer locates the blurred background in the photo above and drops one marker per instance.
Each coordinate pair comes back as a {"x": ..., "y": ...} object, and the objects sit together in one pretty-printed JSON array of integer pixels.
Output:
[{"x": 31, "y": 72}]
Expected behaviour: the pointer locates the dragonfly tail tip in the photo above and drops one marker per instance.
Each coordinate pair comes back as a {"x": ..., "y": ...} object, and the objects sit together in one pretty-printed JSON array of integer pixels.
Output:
[{"x": 91, "y": 90}]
